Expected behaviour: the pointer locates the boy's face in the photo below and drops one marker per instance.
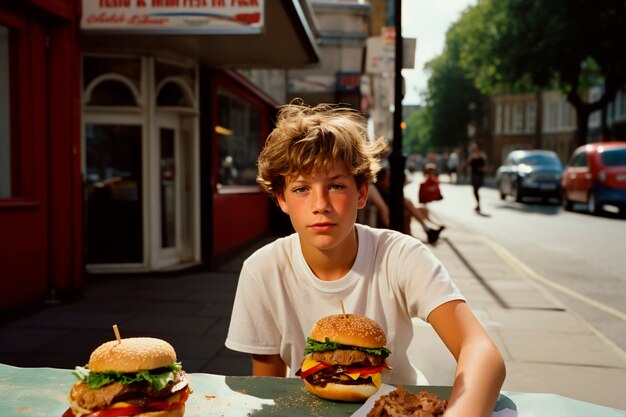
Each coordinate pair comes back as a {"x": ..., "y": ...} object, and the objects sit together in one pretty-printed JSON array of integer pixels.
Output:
[{"x": 323, "y": 206}]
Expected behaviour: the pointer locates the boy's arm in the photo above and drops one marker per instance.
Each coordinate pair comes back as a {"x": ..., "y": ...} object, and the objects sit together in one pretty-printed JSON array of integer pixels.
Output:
[
  {"x": 268, "y": 365},
  {"x": 480, "y": 368}
]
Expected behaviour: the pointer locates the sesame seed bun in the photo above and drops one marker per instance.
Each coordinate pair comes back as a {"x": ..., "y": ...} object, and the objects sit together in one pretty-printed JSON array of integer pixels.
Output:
[
  {"x": 341, "y": 392},
  {"x": 133, "y": 354},
  {"x": 349, "y": 329}
]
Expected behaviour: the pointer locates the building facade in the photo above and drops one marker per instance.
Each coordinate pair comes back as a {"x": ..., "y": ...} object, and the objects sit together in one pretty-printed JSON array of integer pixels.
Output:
[{"x": 126, "y": 146}]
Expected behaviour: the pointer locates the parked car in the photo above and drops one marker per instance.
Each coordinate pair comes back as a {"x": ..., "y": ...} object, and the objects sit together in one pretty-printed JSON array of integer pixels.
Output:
[
  {"x": 596, "y": 176},
  {"x": 530, "y": 173}
]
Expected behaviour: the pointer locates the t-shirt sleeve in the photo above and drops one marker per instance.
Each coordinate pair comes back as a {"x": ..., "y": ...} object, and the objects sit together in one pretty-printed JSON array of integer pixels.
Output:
[
  {"x": 423, "y": 280},
  {"x": 252, "y": 327}
]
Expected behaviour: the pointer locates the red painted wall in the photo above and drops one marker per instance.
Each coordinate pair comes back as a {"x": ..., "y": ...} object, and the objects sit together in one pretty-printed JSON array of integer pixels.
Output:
[
  {"x": 239, "y": 219},
  {"x": 40, "y": 225}
]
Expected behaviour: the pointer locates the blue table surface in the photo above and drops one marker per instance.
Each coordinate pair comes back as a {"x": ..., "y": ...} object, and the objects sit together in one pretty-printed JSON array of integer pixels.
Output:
[{"x": 29, "y": 392}]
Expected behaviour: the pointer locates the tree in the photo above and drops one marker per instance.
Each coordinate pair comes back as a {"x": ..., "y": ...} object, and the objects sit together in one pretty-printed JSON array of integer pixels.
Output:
[
  {"x": 452, "y": 100},
  {"x": 535, "y": 44},
  {"x": 416, "y": 135}
]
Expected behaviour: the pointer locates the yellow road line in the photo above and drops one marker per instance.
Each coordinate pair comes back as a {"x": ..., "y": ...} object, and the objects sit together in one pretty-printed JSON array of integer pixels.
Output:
[{"x": 514, "y": 262}]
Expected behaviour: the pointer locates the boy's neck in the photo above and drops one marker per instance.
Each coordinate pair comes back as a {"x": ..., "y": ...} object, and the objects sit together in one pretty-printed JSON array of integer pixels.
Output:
[{"x": 335, "y": 263}]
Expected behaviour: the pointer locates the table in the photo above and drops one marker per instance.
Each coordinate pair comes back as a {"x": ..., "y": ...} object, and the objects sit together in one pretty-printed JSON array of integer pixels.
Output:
[{"x": 30, "y": 392}]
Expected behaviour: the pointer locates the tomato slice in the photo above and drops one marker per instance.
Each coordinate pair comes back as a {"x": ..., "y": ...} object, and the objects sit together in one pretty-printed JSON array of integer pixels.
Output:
[
  {"x": 111, "y": 412},
  {"x": 365, "y": 371},
  {"x": 314, "y": 369}
]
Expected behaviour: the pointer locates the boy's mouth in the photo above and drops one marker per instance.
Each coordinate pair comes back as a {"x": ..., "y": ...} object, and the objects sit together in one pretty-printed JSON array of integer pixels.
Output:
[{"x": 321, "y": 226}]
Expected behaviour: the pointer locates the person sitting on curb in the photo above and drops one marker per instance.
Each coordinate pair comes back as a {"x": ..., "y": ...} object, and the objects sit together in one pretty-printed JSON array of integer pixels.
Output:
[{"x": 431, "y": 226}]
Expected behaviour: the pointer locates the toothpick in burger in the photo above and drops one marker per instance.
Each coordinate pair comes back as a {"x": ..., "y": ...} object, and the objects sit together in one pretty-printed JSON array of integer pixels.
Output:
[
  {"x": 346, "y": 358},
  {"x": 132, "y": 377}
]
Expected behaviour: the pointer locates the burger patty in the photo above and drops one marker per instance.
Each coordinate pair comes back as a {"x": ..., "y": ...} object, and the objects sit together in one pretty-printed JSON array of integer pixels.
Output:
[
  {"x": 348, "y": 357},
  {"x": 138, "y": 393},
  {"x": 335, "y": 374}
]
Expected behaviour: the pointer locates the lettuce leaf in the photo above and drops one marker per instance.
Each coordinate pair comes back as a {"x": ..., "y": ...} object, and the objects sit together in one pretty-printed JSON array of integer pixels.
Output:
[
  {"x": 157, "y": 378},
  {"x": 313, "y": 345}
]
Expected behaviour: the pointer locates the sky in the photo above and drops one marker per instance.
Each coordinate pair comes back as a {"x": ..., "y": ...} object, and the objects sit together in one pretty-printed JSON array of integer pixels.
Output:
[{"x": 427, "y": 21}]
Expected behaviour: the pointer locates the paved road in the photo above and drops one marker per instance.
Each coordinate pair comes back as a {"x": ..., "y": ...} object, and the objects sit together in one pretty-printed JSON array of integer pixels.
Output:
[{"x": 580, "y": 258}]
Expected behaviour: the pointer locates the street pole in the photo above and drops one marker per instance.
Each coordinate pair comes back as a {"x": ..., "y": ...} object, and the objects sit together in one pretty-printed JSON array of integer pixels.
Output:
[{"x": 397, "y": 159}]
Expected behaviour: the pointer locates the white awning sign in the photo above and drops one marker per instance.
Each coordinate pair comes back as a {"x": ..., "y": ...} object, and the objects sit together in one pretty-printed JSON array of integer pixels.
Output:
[{"x": 173, "y": 16}]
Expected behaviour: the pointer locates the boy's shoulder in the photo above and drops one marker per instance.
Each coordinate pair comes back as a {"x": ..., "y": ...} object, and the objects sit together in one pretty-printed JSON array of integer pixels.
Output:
[{"x": 278, "y": 246}]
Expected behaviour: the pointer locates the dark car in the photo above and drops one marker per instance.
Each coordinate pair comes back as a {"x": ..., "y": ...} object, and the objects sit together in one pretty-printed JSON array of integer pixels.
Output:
[
  {"x": 596, "y": 176},
  {"x": 530, "y": 173}
]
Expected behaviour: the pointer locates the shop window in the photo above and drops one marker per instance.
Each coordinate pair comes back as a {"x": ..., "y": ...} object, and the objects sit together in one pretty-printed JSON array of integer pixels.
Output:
[
  {"x": 239, "y": 145},
  {"x": 6, "y": 190},
  {"x": 165, "y": 70},
  {"x": 126, "y": 67},
  {"x": 171, "y": 94},
  {"x": 111, "y": 92}
]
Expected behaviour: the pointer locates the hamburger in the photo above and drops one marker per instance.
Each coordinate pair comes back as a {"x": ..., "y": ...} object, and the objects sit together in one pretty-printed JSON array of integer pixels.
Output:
[
  {"x": 133, "y": 377},
  {"x": 346, "y": 358}
]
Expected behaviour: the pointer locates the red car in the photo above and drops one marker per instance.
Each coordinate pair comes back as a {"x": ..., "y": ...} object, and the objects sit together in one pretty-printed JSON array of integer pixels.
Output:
[{"x": 596, "y": 176}]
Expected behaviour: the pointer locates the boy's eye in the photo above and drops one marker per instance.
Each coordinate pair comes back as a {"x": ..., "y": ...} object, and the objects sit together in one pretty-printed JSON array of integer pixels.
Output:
[
  {"x": 337, "y": 187},
  {"x": 299, "y": 190}
]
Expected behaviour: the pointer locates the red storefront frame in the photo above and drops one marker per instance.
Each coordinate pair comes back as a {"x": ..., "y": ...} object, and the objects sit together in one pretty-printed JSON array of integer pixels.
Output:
[{"x": 238, "y": 217}]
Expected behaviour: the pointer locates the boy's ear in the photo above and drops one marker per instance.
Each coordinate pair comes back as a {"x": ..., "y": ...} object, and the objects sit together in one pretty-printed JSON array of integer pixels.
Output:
[
  {"x": 280, "y": 199},
  {"x": 362, "y": 198}
]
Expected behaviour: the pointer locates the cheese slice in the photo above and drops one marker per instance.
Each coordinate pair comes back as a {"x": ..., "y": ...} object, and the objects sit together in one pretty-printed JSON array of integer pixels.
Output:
[
  {"x": 377, "y": 379},
  {"x": 121, "y": 404},
  {"x": 308, "y": 363}
]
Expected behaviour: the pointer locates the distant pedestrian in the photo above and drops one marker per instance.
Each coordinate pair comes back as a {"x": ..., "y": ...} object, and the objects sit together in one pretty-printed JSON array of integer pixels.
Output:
[
  {"x": 453, "y": 166},
  {"x": 477, "y": 162}
]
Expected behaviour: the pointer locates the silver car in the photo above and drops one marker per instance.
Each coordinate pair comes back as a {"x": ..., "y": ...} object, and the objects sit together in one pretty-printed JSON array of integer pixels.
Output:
[{"x": 530, "y": 173}]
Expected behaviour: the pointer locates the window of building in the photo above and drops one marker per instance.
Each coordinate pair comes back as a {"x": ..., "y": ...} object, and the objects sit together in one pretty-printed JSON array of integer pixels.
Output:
[
  {"x": 239, "y": 145},
  {"x": 507, "y": 118},
  {"x": 498, "y": 119},
  {"x": 566, "y": 120},
  {"x": 6, "y": 162},
  {"x": 518, "y": 118},
  {"x": 531, "y": 117}
]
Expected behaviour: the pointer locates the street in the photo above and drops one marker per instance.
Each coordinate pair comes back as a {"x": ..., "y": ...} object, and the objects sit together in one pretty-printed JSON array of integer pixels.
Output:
[{"x": 579, "y": 258}]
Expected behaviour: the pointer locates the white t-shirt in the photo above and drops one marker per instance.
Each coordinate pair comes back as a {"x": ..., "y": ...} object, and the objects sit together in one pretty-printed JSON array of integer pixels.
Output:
[{"x": 394, "y": 278}]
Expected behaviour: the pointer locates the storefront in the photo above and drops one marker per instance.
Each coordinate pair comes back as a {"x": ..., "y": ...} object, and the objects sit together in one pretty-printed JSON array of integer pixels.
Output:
[{"x": 131, "y": 151}]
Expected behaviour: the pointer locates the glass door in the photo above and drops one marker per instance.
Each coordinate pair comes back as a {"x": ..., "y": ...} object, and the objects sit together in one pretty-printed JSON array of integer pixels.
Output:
[
  {"x": 169, "y": 190},
  {"x": 113, "y": 193}
]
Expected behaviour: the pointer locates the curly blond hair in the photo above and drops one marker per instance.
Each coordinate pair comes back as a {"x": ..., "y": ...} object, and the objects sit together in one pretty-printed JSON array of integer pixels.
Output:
[{"x": 308, "y": 139}]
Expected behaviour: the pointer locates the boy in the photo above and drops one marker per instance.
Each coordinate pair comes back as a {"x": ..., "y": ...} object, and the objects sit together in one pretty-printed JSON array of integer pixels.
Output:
[{"x": 317, "y": 164}]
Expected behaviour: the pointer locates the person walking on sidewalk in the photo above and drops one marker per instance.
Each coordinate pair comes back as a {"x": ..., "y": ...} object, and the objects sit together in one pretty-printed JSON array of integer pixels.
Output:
[
  {"x": 477, "y": 162},
  {"x": 317, "y": 164}
]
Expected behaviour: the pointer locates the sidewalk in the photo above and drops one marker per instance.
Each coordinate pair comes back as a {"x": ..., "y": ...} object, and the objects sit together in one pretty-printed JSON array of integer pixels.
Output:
[{"x": 546, "y": 348}]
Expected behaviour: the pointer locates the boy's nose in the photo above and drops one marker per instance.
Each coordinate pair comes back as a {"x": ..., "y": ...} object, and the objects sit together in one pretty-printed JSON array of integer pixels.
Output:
[{"x": 321, "y": 202}]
